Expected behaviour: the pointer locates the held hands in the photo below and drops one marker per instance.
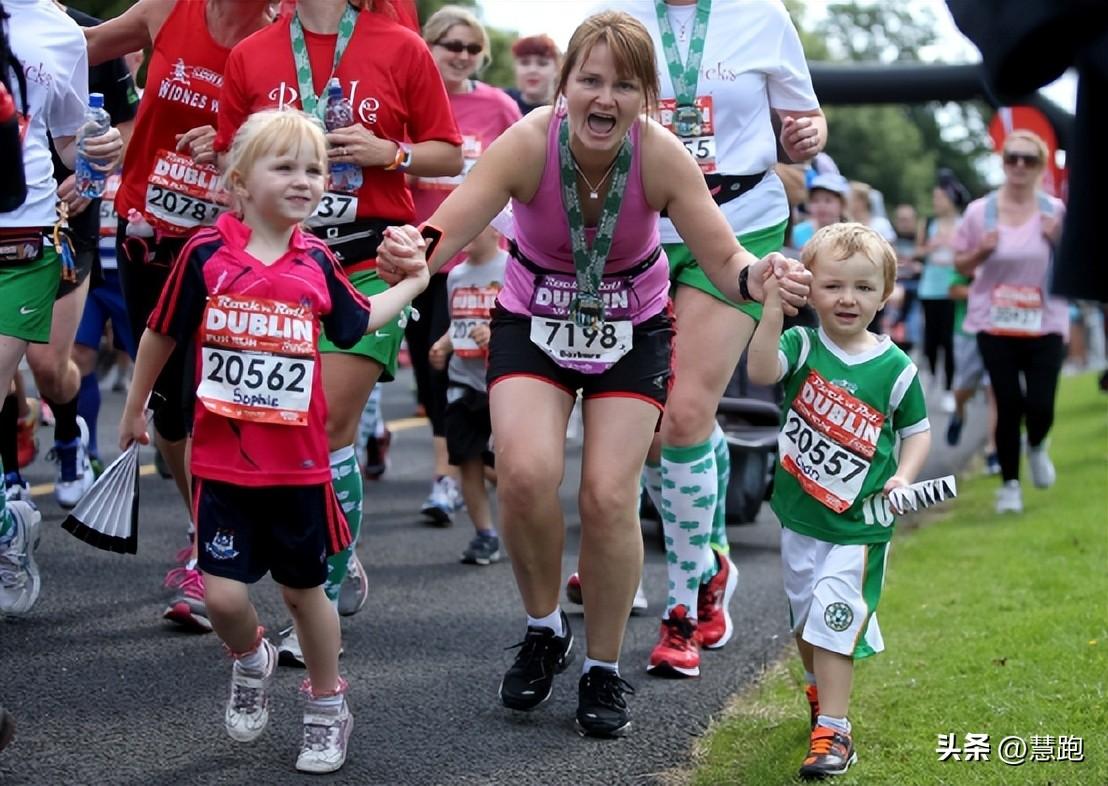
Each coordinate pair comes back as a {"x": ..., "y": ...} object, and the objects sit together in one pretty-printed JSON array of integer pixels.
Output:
[
  {"x": 401, "y": 252},
  {"x": 199, "y": 143},
  {"x": 799, "y": 138},
  {"x": 792, "y": 282},
  {"x": 439, "y": 353},
  {"x": 356, "y": 144},
  {"x": 67, "y": 192}
]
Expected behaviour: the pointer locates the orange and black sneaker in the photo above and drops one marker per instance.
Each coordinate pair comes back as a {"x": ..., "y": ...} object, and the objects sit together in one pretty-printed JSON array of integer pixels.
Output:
[
  {"x": 813, "y": 703},
  {"x": 830, "y": 752}
]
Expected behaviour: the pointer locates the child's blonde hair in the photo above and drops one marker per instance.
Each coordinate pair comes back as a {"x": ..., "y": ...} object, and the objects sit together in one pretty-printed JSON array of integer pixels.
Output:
[
  {"x": 839, "y": 241},
  {"x": 276, "y": 131}
]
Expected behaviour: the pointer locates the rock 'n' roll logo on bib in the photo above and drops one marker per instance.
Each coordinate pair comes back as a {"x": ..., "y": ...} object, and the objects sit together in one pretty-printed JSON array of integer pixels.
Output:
[
  {"x": 182, "y": 194},
  {"x": 828, "y": 442},
  {"x": 1016, "y": 311},
  {"x": 470, "y": 307},
  {"x": 694, "y": 126},
  {"x": 590, "y": 350},
  {"x": 257, "y": 359}
]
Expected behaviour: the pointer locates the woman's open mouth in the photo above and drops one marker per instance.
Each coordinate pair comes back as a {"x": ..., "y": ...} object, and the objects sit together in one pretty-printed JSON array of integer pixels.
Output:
[{"x": 600, "y": 123}]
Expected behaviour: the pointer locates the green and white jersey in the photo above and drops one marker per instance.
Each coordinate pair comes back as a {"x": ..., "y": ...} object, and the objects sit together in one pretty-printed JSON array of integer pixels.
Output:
[{"x": 837, "y": 448}]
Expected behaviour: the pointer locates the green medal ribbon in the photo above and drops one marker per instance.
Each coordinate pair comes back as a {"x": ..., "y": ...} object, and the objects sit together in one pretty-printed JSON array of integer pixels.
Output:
[
  {"x": 686, "y": 118},
  {"x": 308, "y": 98},
  {"x": 587, "y": 308}
]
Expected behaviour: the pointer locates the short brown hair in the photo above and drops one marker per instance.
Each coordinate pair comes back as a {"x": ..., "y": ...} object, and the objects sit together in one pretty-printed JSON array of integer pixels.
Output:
[
  {"x": 839, "y": 241},
  {"x": 632, "y": 50},
  {"x": 538, "y": 45}
]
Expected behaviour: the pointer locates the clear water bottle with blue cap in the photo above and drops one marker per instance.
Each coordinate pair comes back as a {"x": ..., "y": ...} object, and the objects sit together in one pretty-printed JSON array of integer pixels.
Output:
[
  {"x": 346, "y": 177},
  {"x": 91, "y": 180}
]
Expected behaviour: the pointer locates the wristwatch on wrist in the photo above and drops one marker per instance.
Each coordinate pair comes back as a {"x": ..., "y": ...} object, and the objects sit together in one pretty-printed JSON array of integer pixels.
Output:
[
  {"x": 403, "y": 158},
  {"x": 744, "y": 284}
]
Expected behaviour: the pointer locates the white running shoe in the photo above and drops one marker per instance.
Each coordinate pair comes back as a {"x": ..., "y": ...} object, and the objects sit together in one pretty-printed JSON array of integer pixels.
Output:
[
  {"x": 1042, "y": 468},
  {"x": 947, "y": 404},
  {"x": 441, "y": 503},
  {"x": 1009, "y": 498},
  {"x": 289, "y": 652},
  {"x": 639, "y": 603},
  {"x": 248, "y": 708},
  {"x": 75, "y": 475},
  {"x": 326, "y": 734},
  {"x": 20, "y": 582},
  {"x": 355, "y": 587}
]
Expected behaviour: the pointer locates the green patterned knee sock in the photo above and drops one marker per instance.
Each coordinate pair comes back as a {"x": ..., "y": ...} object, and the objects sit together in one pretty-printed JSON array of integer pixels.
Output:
[
  {"x": 719, "y": 521},
  {"x": 688, "y": 505},
  {"x": 347, "y": 480},
  {"x": 6, "y": 522}
]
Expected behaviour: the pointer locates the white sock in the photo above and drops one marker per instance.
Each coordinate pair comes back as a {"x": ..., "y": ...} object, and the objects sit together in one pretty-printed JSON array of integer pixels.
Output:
[
  {"x": 327, "y": 702},
  {"x": 553, "y": 621},
  {"x": 838, "y": 724},
  {"x": 604, "y": 664},
  {"x": 256, "y": 661}
]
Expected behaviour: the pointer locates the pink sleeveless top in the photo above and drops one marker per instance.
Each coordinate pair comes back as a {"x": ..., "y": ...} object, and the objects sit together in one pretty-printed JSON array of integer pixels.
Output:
[{"x": 542, "y": 234}]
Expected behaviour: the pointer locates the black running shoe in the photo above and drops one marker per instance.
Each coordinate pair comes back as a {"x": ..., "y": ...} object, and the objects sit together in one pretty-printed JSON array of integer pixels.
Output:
[
  {"x": 601, "y": 707},
  {"x": 529, "y": 681}
]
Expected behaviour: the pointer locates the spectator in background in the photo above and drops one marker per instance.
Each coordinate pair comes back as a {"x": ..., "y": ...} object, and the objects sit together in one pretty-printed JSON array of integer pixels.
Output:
[
  {"x": 861, "y": 208},
  {"x": 826, "y": 205},
  {"x": 537, "y": 61},
  {"x": 948, "y": 199},
  {"x": 908, "y": 267},
  {"x": 1007, "y": 243},
  {"x": 460, "y": 47}
]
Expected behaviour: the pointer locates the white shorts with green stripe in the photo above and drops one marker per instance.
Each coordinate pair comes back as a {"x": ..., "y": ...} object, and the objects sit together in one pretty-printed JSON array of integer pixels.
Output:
[{"x": 833, "y": 591}]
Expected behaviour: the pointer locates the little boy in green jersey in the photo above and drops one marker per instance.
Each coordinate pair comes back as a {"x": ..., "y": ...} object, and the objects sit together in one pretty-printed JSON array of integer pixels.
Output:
[{"x": 849, "y": 396}]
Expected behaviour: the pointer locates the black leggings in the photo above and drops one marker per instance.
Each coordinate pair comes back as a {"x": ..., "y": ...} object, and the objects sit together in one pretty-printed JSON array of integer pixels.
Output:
[
  {"x": 1030, "y": 400},
  {"x": 938, "y": 333},
  {"x": 434, "y": 320}
]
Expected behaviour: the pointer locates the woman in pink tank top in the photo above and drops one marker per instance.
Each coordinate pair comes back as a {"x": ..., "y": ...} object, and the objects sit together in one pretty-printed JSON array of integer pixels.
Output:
[{"x": 584, "y": 308}]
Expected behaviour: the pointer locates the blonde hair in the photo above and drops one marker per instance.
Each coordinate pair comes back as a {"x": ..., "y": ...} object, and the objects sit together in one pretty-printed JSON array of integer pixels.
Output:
[
  {"x": 449, "y": 15},
  {"x": 276, "y": 131},
  {"x": 631, "y": 46},
  {"x": 838, "y": 241},
  {"x": 1029, "y": 136}
]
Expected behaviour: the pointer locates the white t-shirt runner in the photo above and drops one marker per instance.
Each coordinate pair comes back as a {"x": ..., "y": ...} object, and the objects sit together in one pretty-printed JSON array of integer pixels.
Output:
[
  {"x": 51, "y": 48},
  {"x": 753, "y": 62}
]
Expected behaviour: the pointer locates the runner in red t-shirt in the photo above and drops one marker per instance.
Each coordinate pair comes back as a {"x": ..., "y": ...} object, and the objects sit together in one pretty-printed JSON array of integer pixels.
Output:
[
  {"x": 460, "y": 47},
  {"x": 254, "y": 295},
  {"x": 168, "y": 186},
  {"x": 391, "y": 81}
]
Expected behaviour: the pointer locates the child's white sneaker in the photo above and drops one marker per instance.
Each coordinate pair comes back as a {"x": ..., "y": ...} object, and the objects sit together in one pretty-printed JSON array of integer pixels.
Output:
[
  {"x": 1042, "y": 468},
  {"x": 1009, "y": 498},
  {"x": 248, "y": 708},
  {"x": 326, "y": 734}
]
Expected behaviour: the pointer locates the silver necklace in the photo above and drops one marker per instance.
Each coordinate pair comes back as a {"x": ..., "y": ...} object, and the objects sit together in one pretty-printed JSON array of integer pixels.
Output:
[{"x": 594, "y": 190}]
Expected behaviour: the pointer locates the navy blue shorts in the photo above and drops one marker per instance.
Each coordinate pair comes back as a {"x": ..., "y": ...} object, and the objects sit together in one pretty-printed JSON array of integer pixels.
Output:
[
  {"x": 288, "y": 531},
  {"x": 105, "y": 301}
]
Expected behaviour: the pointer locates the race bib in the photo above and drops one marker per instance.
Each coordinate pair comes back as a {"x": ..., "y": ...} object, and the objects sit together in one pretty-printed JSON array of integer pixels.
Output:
[
  {"x": 470, "y": 307},
  {"x": 588, "y": 350},
  {"x": 334, "y": 208},
  {"x": 828, "y": 442},
  {"x": 258, "y": 360},
  {"x": 182, "y": 195},
  {"x": 472, "y": 147},
  {"x": 109, "y": 219},
  {"x": 694, "y": 126},
  {"x": 1016, "y": 311}
]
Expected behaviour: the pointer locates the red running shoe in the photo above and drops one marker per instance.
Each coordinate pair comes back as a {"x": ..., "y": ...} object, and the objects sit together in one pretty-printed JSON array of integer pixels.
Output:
[
  {"x": 187, "y": 607},
  {"x": 713, "y": 613},
  {"x": 677, "y": 653},
  {"x": 25, "y": 441},
  {"x": 573, "y": 589}
]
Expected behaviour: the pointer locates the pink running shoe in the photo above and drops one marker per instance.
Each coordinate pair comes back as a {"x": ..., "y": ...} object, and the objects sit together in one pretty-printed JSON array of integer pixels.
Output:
[{"x": 187, "y": 607}]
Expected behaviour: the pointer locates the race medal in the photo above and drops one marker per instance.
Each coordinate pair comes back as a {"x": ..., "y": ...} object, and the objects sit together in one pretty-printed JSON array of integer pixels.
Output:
[
  {"x": 182, "y": 195},
  {"x": 257, "y": 359},
  {"x": 695, "y": 127},
  {"x": 1016, "y": 311},
  {"x": 828, "y": 442},
  {"x": 334, "y": 208}
]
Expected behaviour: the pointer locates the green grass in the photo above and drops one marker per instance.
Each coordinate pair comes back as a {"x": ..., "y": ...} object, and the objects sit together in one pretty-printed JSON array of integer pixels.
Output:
[{"x": 995, "y": 625}]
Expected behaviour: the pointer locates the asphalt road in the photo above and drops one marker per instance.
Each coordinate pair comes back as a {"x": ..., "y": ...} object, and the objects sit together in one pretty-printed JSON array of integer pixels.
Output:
[{"x": 105, "y": 692}]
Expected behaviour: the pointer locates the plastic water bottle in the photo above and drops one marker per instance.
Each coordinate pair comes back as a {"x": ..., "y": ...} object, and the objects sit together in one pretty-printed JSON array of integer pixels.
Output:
[
  {"x": 90, "y": 180},
  {"x": 345, "y": 177}
]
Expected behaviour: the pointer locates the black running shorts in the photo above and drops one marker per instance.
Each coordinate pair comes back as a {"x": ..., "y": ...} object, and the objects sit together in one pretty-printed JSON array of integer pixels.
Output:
[
  {"x": 289, "y": 531},
  {"x": 468, "y": 425},
  {"x": 642, "y": 373}
]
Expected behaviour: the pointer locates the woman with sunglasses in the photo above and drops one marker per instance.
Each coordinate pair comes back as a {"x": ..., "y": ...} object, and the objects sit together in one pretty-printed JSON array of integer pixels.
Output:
[
  {"x": 1006, "y": 241},
  {"x": 460, "y": 47},
  {"x": 164, "y": 188},
  {"x": 401, "y": 125}
]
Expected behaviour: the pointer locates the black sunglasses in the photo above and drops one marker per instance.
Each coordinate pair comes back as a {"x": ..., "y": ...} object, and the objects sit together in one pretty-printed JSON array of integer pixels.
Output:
[
  {"x": 457, "y": 47},
  {"x": 1030, "y": 160}
]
